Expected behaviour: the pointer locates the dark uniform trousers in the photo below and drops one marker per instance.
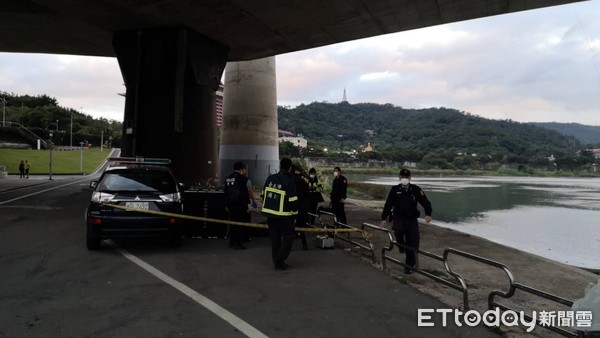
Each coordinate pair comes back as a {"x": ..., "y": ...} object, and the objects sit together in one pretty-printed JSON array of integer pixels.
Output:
[
  {"x": 339, "y": 212},
  {"x": 281, "y": 231},
  {"x": 406, "y": 230},
  {"x": 236, "y": 232}
]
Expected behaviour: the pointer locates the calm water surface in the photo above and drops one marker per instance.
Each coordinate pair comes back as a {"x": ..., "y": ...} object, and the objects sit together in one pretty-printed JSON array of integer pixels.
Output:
[{"x": 557, "y": 218}]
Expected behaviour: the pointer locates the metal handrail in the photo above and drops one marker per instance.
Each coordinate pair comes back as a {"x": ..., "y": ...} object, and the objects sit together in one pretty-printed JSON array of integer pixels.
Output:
[
  {"x": 512, "y": 287},
  {"x": 487, "y": 261},
  {"x": 369, "y": 246},
  {"x": 542, "y": 294},
  {"x": 22, "y": 127},
  {"x": 460, "y": 286},
  {"x": 325, "y": 225}
]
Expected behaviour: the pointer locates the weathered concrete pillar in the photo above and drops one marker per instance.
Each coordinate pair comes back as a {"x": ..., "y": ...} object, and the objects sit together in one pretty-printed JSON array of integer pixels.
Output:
[
  {"x": 171, "y": 75},
  {"x": 249, "y": 129}
]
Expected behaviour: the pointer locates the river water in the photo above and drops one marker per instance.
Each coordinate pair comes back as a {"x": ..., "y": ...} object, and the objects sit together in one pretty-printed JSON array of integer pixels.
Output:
[{"x": 556, "y": 218}]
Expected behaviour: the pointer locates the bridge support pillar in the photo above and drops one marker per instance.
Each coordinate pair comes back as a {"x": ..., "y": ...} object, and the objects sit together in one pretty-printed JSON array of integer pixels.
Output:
[
  {"x": 249, "y": 128},
  {"x": 171, "y": 75}
]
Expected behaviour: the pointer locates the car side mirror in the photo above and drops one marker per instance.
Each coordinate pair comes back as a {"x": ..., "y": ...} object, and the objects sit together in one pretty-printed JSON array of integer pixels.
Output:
[
  {"x": 183, "y": 186},
  {"x": 93, "y": 184}
]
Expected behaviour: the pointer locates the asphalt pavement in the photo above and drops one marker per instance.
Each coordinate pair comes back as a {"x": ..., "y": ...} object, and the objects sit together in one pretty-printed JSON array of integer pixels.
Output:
[
  {"x": 52, "y": 286},
  {"x": 13, "y": 182}
]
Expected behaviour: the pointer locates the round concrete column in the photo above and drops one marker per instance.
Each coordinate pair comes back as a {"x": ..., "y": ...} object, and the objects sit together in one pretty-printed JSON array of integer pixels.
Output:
[{"x": 249, "y": 129}]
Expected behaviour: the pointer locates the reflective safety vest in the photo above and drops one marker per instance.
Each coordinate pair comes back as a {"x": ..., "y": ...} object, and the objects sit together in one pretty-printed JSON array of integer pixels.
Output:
[{"x": 279, "y": 196}]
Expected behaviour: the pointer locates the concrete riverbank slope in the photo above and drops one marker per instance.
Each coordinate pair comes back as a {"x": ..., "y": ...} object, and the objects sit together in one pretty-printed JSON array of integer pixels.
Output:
[{"x": 531, "y": 270}]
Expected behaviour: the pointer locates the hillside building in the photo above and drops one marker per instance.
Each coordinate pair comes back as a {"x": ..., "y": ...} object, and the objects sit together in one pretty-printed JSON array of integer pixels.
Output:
[{"x": 298, "y": 141}]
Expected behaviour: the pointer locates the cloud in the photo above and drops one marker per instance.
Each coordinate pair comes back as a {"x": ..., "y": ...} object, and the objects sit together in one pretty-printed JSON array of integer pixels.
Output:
[
  {"x": 88, "y": 84},
  {"x": 538, "y": 65},
  {"x": 530, "y": 66}
]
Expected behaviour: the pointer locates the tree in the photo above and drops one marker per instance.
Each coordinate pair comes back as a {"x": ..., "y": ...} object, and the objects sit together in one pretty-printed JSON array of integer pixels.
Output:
[{"x": 288, "y": 149}]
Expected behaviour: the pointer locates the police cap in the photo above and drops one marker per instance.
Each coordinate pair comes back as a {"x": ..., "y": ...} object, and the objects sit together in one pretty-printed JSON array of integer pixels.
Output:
[{"x": 405, "y": 173}]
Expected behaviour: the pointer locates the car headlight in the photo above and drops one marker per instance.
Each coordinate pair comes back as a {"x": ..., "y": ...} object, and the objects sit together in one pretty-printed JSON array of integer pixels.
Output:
[
  {"x": 101, "y": 197},
  {"x": 175, "y": 197}
]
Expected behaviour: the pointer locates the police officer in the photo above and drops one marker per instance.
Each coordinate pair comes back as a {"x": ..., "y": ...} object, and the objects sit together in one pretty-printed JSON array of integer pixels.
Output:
[
  {"x": 314, "y": 196},
  {"x": 237, "y": 199},
  {"x": 280, "y": 206},
  {"x": 339, "y": 189},
  {"x": 402, "y": 202},
  {"x": 302, "y": 189}
]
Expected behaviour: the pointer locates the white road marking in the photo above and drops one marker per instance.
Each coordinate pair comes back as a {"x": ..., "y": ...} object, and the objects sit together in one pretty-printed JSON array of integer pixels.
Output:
[
  {"x": 42, "y": 191},
  {"x": 213, "y": 307}
]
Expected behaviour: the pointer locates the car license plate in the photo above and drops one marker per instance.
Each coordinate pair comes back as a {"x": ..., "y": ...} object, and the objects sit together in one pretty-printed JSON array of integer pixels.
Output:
[{"x": 137, "y": 205}]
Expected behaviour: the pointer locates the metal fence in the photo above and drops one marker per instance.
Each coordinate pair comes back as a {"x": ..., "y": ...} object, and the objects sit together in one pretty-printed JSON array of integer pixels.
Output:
[{"x": 457, "y": 282}]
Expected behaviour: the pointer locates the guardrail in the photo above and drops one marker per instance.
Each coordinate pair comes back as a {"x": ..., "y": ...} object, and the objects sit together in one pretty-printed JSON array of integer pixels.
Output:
[
  {"x": 461, "y": 284},
  {"x": 542, "y": 294},
  {"x": 367, "y": 245}
]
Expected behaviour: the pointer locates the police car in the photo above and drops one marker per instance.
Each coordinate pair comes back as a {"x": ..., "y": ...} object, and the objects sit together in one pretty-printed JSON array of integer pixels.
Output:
[{"x": 134, "y": 183}]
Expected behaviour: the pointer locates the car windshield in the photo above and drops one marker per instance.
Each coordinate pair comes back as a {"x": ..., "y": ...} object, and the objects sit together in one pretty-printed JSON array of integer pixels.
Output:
[{"x": 147, "y": 181}]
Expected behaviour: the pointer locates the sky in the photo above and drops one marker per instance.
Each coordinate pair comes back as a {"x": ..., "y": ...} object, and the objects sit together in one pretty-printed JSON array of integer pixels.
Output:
[{"x": 535, "y": 66}]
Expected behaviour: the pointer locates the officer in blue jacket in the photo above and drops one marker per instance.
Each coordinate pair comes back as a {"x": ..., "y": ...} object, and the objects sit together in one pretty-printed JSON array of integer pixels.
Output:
[
  {"x": 402, "y": 204},
  {"x": 280, "y": 206}
]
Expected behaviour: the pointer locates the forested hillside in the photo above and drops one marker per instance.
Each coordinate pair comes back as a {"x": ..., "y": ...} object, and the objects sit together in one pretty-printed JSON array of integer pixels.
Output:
[
  {"x": 42, "y": 114},
  {"x": 583, "y": 133},
  {"x": 409, "y": 134}
]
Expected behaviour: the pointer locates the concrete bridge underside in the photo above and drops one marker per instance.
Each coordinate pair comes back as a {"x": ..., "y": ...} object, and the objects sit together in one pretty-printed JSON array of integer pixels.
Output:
[{"x": 172, "y": 53}]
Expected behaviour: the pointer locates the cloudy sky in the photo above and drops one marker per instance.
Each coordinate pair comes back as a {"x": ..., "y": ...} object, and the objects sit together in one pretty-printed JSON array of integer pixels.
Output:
[{"x": 541, "y": 65}]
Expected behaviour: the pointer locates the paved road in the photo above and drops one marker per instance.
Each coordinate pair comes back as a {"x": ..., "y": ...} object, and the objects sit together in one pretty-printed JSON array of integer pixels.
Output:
[{"x": 52, "y": 286}]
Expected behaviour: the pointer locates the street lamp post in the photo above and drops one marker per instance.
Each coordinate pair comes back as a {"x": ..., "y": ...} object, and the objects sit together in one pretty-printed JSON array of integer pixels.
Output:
[
  {"x": 71, "y": 137},
  {"x": 50, "y": 164},
  {"x": 3, "y": 100},
  {"x": 101, "y": 140},
  {"x": 81, "y": 144}
]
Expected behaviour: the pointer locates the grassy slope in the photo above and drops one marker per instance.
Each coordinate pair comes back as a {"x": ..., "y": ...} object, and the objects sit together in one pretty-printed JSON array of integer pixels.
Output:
[{"x": 63, "y": 162}]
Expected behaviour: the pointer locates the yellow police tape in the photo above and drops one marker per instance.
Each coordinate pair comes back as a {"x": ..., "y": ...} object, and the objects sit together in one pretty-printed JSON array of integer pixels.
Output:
[{"x": 214, "y": 220}]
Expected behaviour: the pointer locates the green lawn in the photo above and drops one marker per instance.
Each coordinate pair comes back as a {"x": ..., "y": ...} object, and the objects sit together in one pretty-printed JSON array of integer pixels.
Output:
[{"x": 63, "y": 162}]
